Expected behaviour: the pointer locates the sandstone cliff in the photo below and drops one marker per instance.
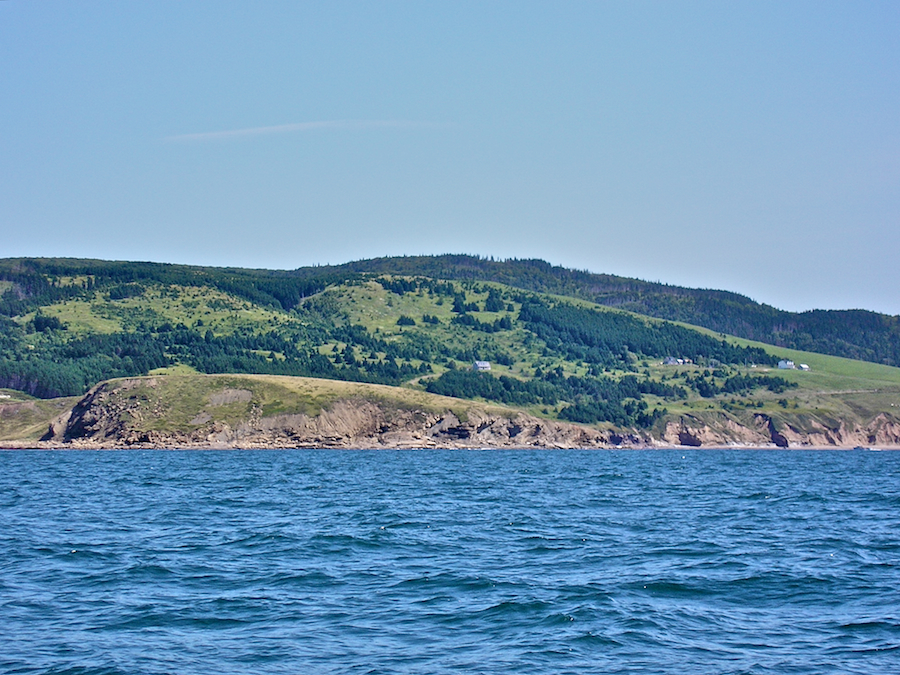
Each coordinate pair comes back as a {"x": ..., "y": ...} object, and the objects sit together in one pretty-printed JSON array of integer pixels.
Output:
[
  {"x": 108, "y": 417},
  {"x": 789, "y": 431},
  {"x": 248, "y": 411}
]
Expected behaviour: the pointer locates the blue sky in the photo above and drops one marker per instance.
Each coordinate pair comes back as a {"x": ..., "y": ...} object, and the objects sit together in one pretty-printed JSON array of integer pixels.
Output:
[{"x": 750, "y": 146}]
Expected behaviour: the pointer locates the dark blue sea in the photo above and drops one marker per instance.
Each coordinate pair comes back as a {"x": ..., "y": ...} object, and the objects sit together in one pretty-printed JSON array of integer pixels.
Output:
[{"x": 298, "y": 561}]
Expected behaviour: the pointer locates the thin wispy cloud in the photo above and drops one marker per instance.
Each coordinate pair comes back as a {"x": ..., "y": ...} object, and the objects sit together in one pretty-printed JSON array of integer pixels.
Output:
[{"x": 348, "y": 125}]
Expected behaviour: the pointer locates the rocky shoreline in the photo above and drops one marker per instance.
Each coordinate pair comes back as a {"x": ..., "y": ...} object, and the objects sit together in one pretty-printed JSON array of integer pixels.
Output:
[
  {"x": 346, "y": 424},
  {"x": 362, "y": 424},
  {"x": 138, "y": 413}
]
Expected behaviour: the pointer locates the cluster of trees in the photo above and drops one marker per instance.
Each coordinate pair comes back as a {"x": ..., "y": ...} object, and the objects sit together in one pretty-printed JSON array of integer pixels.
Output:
[
  {"x": 471, "y": 384},
  {"x": 460, "y": 306},
  {"x": 44, "y": 324},
  {"x": 503, "y": 323},
  {"x": 494, "y": 301},
  {"x": 608, "y": 339},
  {"x": 630, "y": 412},
  {"x": 403, "y": 285},
  {"x": 123, "y": 291},
  {"x": 592, "y": 399},
  {"x": 69, "y": 367},
  {"x": 704, "y": 383},
  {"x": 31, "y": 290}
]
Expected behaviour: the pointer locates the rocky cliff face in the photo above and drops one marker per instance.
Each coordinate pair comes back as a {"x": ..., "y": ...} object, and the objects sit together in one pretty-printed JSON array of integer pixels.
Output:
[
  {"x": 107, "y": 419},
  {"x": 117, "y": 417},
  {"x": 762, "y": 430}
]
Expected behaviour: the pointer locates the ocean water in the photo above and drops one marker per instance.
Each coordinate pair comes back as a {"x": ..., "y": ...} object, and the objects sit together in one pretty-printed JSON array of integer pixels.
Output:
[{"x": 449, "y": 562}]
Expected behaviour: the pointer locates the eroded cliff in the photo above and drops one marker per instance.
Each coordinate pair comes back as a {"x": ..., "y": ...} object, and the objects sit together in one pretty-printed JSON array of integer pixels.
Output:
[{"x": 262, "y": 411}]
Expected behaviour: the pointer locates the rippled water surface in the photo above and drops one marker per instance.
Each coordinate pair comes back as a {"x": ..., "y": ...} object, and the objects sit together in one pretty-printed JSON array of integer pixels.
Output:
[{"x": 449, "y": 561}]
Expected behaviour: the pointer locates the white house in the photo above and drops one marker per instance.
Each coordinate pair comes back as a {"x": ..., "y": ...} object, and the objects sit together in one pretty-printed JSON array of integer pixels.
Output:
[
  {"x": 481, "y": 366},
  {"x": 786, "y": 365},
  {"x": 803, "y": 366}
]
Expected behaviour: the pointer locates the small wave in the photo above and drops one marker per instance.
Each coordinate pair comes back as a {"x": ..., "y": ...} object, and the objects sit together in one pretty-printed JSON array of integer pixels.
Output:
[
  {"x": 148, "y": 571},
  {"x": 450, "y": 582},
  {"x": 76, "y": 670},
  {"x": 596, "y": 640},
  {"x": 176, "y": 619},
  {"x": 873, "y": 625},
  {"x": 311, "y": 580},
  {"x": 512, "y": 608},
  {"x": 672, "y": 589}
]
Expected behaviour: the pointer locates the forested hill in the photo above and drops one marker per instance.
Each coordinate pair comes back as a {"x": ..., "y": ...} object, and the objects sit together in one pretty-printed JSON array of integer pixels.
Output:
[
  {"x": 26, "y": 284},
  {"x": 856, "y": 334}
]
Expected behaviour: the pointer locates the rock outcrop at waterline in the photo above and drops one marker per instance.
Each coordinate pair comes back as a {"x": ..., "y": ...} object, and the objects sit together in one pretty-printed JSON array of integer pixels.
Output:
[
  {"x": 763, "y": 430},
  {"x": 106, "y": 419},
  {"x": 258, "y": 412}
]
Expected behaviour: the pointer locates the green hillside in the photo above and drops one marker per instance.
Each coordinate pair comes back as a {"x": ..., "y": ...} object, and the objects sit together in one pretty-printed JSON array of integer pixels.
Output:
[
  {"x": 857, "y": 334},
  {"x": 68, "y": 324}
]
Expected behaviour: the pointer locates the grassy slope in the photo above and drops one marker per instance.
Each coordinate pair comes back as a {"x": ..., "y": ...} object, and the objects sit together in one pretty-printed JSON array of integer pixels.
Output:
[
  {"x": 841, "y": 388},
  {"x": 25, "y": 418},
  {"x": 834, "y": 386},
  {"x": 833, "y": 389},
  {"x": 218, "y": 311},
  {"x": 378, "y": 310},
  {"x": 864, "y": 332}
]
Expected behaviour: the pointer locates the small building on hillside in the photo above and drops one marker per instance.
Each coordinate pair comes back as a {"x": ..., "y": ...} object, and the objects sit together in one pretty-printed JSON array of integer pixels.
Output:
[
  {"x": 481, "y": 366},
  {"x": 803, "y": 366},
  {"x": 672, "y": 361},
  {"x": 784, "y": 364}
]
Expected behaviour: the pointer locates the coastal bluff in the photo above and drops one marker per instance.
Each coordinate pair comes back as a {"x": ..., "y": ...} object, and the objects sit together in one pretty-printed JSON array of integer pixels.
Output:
[
  {"x": 253, "y": 411},
  {"x": 259, "y": 411}
]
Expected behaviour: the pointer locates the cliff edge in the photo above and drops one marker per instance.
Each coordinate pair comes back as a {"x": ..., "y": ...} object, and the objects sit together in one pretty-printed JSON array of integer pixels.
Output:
[{"x": 259, "y": 411}]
